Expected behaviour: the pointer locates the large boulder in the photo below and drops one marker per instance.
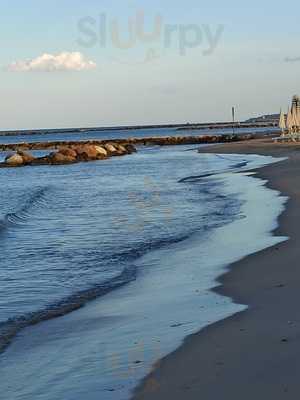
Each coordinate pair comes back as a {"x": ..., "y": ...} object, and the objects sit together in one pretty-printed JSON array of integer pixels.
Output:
[
  {"x": 67, "y": 151},
  {"x": 27, "y": 157},
  {"x": 86, "y": 153},
  {"x": 111, "y": 149},
  {"x": 121, "y": 149},
  {"x": 59, "y": 158},
  {"x": 14, "y": 160},
  {"x": 102, "y": 152}
]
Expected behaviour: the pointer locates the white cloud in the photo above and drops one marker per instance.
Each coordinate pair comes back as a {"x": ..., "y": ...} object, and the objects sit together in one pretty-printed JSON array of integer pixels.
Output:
[{"x": 66, "y": 61}]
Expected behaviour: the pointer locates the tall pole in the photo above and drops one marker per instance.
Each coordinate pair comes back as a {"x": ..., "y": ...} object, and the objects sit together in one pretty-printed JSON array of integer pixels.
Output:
[{"x": 233, "y": 119}]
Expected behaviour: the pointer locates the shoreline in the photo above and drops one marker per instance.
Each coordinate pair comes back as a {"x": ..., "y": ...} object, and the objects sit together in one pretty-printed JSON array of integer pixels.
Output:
[{"x": 254, "y": 352}]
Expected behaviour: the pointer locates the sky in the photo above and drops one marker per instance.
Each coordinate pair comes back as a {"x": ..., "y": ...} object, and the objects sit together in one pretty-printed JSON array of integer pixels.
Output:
[{"x": 74, "y": 63}]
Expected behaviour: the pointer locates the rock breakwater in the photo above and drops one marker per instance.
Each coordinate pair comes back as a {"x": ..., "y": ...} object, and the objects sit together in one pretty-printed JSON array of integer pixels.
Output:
[
  {"x": 127, "y": 143},
  {"x": 68, "y": 155}
]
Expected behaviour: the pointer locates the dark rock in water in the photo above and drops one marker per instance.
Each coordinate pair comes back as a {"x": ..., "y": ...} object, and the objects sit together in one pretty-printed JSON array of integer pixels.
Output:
[
  {"x": 14, "y": 160},
  {"x": 130, "y": 148}
]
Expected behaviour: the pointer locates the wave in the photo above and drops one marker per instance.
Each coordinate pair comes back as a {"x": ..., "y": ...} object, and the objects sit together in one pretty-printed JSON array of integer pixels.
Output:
[
  {"x": 222, "y": 214},
  {"x": 233, "y": 168},
  {"x": 18, "y": 217},
  {"x": 11, "y": 327}
]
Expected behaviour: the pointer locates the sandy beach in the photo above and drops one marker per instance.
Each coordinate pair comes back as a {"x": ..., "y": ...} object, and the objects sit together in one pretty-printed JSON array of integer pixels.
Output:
[{"x": 255, "y": 353}]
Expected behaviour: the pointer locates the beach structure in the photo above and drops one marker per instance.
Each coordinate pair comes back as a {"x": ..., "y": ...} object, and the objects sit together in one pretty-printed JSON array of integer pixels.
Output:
[
  {"x": 296, "y": 103},
  {"x": 282, "y": 122},
  {"x": 290, "y": 123}
]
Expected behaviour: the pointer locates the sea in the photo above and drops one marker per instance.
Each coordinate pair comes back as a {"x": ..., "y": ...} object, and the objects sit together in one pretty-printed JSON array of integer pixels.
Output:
[{"x": 107, "y": 266}]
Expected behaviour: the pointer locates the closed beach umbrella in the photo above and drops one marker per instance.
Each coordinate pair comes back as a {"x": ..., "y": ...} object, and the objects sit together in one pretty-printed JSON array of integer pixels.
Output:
[
  {"x": 295, "y": 120},
  {"x": 289, "y": 123},
  {"x": 282, "y": 123},
  {"x": 298, "y": 117}
]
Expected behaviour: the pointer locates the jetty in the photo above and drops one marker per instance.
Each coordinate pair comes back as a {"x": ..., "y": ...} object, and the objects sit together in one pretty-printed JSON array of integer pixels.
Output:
[
  {"x": 68, "y": 152},
  {"x": 252, "y": 124},
  {"x": 145, "y": 141}
]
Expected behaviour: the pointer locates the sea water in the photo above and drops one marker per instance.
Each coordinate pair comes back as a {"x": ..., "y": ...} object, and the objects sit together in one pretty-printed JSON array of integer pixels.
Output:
[{"x": 146, "y": 235}]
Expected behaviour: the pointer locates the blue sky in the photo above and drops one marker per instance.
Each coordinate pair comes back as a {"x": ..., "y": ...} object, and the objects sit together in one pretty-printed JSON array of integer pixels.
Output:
[{"x": 247, "y": 65}]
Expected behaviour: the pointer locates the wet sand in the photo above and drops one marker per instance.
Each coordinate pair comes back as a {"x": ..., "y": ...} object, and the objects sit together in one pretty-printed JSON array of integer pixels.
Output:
[{"x": 254, "y": 354}]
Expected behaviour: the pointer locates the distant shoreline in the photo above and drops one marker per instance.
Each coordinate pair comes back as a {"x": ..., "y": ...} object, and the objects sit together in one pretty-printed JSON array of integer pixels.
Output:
[{"x": 197, "y": 126}]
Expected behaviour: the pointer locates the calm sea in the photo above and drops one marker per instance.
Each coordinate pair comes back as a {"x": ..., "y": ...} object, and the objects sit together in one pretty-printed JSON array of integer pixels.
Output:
[{"x": 145, "y": 234}]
